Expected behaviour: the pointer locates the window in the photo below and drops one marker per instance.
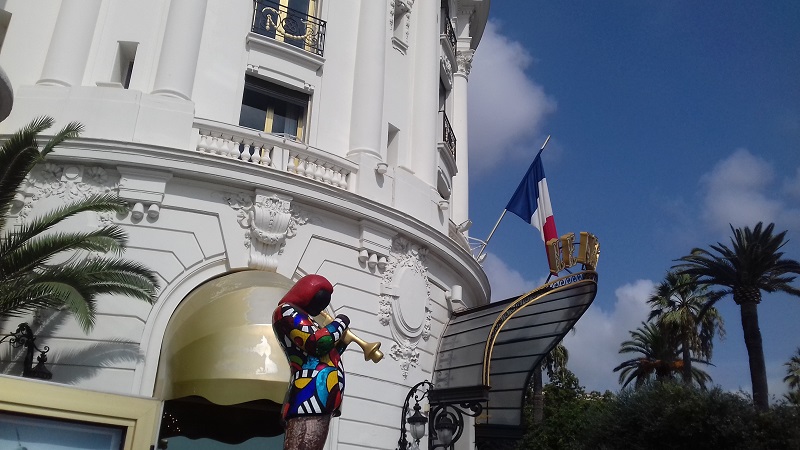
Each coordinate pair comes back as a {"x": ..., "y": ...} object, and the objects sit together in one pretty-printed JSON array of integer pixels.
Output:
[
  {"x": 290, "y": 21},
  {"x": 123, "y": 64},
  {"x": 272, "y": 108}
]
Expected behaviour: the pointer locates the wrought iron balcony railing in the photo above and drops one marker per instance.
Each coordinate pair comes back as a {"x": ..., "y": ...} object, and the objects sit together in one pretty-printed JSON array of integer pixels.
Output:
[
  {"x": 288, "y": 25},
  {"x": 450, "y": 33},
  {"x": 447, "y": 25},
  {"x": 448, "y": 137}
]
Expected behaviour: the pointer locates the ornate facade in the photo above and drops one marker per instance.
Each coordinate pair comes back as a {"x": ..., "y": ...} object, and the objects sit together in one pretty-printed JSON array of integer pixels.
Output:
[{"x": 289, "y": 137}]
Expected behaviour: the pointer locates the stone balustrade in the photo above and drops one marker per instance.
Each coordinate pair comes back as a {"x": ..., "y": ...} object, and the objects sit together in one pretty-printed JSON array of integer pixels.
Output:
[{"x": 274, "y": 152}]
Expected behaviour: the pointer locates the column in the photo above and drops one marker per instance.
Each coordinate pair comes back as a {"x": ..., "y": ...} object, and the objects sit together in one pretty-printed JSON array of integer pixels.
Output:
[
  {"x": 460, "y": 200},
  {"x": 425, "y": 95},
  {"x": 69, "y": 47},
  {"x": 366, "y": 121},
  {"x": 177, "y": 64}
]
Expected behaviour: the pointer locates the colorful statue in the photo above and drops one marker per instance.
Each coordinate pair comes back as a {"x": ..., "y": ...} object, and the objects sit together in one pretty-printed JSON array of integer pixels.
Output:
[{"x": 314, "y": 353}]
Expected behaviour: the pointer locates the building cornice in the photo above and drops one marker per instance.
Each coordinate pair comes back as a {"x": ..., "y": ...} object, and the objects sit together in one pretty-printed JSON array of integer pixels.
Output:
[{"x": 235, "y": 174}]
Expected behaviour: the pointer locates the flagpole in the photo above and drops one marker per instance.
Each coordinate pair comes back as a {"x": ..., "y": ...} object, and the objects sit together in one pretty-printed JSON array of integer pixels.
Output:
[{"x": 486, "y": 242}]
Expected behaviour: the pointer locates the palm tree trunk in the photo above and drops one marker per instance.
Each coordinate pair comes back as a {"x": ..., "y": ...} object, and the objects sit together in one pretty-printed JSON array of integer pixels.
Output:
[
  {"x": 755, "y": 351},
  {"x": 687, "y": 362},
  {"x": 538, "y": 397}
]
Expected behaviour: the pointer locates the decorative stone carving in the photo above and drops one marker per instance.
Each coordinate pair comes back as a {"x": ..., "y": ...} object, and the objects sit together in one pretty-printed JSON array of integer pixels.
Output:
[
  {"x": 447, "y": 68},
  {"x": 405, "y": 282},
  {"x": 407, "y": 355},
  {"x": 375, "y": 242},
  {"x": 269, "y": 221},
  {"x": 144, "y": 189},
  {"x": 464, "y": 61},
  {"x": 400, "y": 22},
  {"x": 70, "y": 183}
]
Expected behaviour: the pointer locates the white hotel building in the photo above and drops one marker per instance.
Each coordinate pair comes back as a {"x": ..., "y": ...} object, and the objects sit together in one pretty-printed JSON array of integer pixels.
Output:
[{"x": 255, "y": 142}]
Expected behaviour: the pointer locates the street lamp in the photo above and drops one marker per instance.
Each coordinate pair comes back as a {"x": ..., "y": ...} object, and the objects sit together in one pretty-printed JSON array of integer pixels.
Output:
[
  {"x": 446, "y": 419},
  {"x": 24, "y": 337},
  {"x": 417, "y": 421}
]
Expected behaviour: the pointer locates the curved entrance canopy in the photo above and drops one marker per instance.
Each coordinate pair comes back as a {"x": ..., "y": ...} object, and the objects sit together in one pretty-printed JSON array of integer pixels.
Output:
[
  {"x": 223, "y": 373},
  {"x": 489, "y": 353}
]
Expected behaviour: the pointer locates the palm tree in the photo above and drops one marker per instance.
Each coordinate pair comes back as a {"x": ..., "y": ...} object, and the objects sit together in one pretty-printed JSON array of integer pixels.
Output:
[
  {"x": 793, "y": 378},
  {"x": 677, "y": 303},
  {"x": 553, "y": 362},
  {"x": 753, "y": 263},
  {"x": 659, "y": 357},
  {"x": 29, "y": 277}
]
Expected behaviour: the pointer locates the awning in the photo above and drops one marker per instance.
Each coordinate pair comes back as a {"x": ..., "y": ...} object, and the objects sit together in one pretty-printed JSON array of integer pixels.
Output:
[{"x": 489, "y": 353}]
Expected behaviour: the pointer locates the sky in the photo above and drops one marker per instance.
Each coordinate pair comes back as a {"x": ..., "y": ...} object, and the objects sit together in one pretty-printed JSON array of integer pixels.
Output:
[{"x": 669, "y": 122}]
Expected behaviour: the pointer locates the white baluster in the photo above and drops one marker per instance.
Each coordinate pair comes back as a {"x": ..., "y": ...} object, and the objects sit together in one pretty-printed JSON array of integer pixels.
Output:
[
  {"x": 202, "y": 146},
  {"x": 304, "y": 167},
  {"x": 226, "y": 148},
  {"x": 265, "y": 158},
  {"x": 328, "y": 177},
  {"x": 214, "y": 147},
  {"x": 319, "y": 174},
  {"x": 258, "y": 154},
  {"x": 246, "y": 148}
]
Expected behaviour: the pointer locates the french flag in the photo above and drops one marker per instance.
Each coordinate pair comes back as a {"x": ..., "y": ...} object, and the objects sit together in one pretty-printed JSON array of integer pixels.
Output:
[{"x": 531, "y": 201}]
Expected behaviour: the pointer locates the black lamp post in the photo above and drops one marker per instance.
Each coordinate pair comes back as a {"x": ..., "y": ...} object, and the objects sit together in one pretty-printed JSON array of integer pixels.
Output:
[
  {"x": 446, "y": 420},
  {"x": 24, "y": 337}
]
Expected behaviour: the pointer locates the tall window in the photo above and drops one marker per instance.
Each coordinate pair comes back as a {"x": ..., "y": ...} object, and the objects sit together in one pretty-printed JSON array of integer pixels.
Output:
[
  {"x": 290, "y": 21},
  {"x": 272, "y": 108}
]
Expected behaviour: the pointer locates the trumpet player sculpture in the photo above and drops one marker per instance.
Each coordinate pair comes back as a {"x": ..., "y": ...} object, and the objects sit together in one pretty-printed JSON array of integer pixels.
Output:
[{"x": 314, "y": 353}]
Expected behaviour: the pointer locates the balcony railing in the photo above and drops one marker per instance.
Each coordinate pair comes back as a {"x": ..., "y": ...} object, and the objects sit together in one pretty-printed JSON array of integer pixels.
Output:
[
  {"x": 450, "y": 33},
  {"x": 447, "y": 26},
  {"x": 273, "y": 152},
  {"x": 291, "y": 26},
  {"x": 448, "y": 137}
]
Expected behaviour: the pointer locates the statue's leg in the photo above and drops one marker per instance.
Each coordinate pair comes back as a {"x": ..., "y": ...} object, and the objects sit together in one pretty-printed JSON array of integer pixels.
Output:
[{"x": 306, "y": 433}]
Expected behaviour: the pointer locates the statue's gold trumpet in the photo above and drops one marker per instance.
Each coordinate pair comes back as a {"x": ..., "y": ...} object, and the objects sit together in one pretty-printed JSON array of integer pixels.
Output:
[{"x": 372, "y": 350}]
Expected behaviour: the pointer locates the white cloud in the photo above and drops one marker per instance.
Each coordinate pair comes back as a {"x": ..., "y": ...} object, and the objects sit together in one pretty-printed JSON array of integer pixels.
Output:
[
  {"x": 594, "y": 347},
  {"x": 505, "y": 281},
  {"x": 737, "y": 192},
  {"x": 792, "y": 185},
  {"x": 506, "y": 108}
]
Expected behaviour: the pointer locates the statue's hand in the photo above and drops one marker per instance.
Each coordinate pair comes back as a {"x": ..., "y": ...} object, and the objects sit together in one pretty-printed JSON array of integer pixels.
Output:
[{"x": 344, "y": 319}]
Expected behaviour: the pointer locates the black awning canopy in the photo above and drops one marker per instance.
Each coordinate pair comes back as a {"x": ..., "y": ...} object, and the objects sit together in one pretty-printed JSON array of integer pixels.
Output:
[{"x": 489, "y": 353}]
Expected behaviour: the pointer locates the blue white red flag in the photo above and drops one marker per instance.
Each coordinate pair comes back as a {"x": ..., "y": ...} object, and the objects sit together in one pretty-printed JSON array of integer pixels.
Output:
[{"x": 531, "y": 201}]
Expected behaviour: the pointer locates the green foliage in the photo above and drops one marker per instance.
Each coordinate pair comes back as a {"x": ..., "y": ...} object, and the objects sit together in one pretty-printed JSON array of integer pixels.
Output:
[
  {"x": 566, "y": 405},
  {"x": 676, "y": 306},
  {"x": 44, "y": 268},
  {"x": 793, "y": 378},
  {"x": 658, "y": 356},
  {"x": 752, "y": 263},
  {"x": 673, "y": 415},
  {"x": 657, "y": 416}
]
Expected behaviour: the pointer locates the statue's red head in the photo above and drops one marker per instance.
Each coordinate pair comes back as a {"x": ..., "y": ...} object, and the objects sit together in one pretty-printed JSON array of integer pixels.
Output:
[{"x": 311, "y": 293}]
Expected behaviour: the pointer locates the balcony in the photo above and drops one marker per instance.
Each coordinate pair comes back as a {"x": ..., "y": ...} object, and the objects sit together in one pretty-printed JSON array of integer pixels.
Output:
[
  {"x": 448, "y": 137},
  {"x": 274, "y": 152},
  {"x": 296, "y": 28}
]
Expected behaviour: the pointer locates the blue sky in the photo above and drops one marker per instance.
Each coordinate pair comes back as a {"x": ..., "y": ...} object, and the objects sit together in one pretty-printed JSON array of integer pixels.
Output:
[{"x": 669, "y": 120}]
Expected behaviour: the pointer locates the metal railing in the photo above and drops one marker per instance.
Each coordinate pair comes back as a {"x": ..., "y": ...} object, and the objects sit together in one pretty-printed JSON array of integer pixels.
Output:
[
  {"x": 447, "y": 25},
  {"x": 291, "y": 26},
  {"x": 448, "y": 137},
  {"x": 450, "y": 33}
]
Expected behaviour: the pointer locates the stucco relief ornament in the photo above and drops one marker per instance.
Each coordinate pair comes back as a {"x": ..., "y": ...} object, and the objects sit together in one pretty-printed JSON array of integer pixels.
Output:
[
  {"x": 69, "y": 183},
  {"x": 405, "y": 282},
  {"x": 448, "y": 68},
  {"x": 464, "y": 61},
  {"x": 269, "y": 221}
]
